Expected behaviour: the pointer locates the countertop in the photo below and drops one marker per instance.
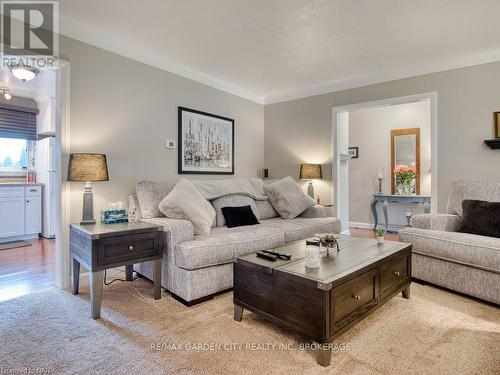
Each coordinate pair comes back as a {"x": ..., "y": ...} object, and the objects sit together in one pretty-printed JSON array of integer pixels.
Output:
[{"x": 21, "y": 184}]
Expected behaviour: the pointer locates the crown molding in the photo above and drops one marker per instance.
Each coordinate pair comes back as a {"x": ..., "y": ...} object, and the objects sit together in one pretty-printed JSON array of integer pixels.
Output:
[
  {"x": 376, "y": 78},
  {"x": 180, "y": 70}
]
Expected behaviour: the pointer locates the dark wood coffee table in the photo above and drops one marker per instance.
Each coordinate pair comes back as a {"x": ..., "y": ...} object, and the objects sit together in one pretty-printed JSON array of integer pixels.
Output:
[{"x": 323, "y": 303}]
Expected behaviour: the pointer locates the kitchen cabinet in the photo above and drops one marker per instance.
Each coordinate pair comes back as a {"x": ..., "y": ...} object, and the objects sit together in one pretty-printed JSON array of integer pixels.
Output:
[{"x": 20, "y": 211}]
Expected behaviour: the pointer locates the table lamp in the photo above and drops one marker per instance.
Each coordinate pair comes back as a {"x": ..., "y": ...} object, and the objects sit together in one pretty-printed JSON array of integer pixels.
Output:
[
  {"x": 310, "y": 172},
  {"x": 87, "y": 168}
]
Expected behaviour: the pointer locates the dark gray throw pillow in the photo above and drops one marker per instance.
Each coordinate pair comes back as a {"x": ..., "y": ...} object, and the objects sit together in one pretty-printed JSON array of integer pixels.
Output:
[
  {"x": 239, "y": 216},
  {"x": 480, "y": 217}
]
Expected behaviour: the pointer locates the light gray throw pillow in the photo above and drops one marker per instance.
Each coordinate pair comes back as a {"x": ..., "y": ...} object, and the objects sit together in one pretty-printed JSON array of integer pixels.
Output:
[
  {"x": 288, "y": 198},
  {"x": 186, "y": 202}
]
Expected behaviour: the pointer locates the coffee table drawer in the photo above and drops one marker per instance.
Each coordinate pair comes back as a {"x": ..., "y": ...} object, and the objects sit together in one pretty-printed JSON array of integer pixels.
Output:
[
  {"x": 120, "y": 249},
  {"x": 354, "y": 298},
  {"x": 393, "y": 274}
]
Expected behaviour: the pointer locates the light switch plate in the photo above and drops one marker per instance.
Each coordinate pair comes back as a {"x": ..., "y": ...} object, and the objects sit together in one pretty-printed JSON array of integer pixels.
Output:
[{"x": 170, "y": 144}]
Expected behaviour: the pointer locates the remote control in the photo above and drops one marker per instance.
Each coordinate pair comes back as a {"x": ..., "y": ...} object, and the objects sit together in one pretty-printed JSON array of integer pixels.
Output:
[
  {"x": 278, "y": 254},
  {"x": 272, "y": 258}
]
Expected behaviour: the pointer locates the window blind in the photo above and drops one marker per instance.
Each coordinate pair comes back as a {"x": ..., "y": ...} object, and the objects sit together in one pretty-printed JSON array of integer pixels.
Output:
[{"x": 17, "y": 122}]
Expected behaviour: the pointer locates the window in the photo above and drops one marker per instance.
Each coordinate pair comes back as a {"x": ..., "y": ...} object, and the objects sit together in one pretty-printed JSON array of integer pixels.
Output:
[{"x": 13, "y": 154}]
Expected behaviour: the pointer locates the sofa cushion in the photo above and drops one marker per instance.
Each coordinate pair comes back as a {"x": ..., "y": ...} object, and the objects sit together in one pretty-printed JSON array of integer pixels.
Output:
[
  {"x": 302, "y": 228},
  {"x": 266, "y": 210},
  {"x": 186, "y": 202},
  {"x": 225, "y": 243},
  {"x": 480, "y": 217},
  {"x": 469, "y": 249},
  {"x": 288, "y": 198},
  {"x": 149, "y": 195},
  {"x": 471, "y": 189},
  {"x": 232, "y": 200}
]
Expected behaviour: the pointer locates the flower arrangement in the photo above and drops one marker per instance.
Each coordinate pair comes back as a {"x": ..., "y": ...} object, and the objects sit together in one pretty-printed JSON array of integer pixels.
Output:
[
  {"x": 380, "y": 232},
  {"x": 404, "y": 176}
]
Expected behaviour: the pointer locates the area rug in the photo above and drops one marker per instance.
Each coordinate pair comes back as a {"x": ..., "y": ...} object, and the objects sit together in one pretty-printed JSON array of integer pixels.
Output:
[{"x": 435, "y": 332}]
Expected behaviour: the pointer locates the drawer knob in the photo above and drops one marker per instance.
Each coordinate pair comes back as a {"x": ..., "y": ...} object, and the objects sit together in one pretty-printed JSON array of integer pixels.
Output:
[
  {"x": 356, "y": 297},
  {"x": 396, "y": 273},
  {"x": 131, "y": 247}
]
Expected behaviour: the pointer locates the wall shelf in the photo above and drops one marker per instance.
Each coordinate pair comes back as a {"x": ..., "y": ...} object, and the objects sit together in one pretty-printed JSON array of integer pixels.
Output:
[{"x": 494, "y": 144}]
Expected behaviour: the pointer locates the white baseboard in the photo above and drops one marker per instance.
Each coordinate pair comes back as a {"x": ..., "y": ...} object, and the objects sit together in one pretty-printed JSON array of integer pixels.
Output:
[{"x": 354, "y": 224}]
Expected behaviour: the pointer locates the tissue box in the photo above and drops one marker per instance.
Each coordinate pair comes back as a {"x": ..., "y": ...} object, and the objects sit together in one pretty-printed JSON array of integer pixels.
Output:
[{"x": 114, "y": 216}]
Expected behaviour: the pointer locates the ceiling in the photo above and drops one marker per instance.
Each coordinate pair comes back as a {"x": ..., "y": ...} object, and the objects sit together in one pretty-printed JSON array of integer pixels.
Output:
[{"x": 275, "y": 50}]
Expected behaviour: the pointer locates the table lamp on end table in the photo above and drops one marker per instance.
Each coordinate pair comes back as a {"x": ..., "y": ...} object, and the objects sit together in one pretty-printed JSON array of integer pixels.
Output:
[
  {"x": 88, "y": 168},
  {"x": 310, "y": 172}
]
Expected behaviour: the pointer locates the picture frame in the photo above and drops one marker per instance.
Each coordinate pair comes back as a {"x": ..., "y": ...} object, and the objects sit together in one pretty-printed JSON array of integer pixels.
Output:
[
  {"x": 496, "y": 118},
  {"x": 205, "y": 143},
  {"x": 353, "y": 152}
]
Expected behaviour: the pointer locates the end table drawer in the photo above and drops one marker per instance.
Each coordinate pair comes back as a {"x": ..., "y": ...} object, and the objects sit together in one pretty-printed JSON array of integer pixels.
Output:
[
  {"x": 120, "y": 249},
  {"x": 393, "y": 274}
]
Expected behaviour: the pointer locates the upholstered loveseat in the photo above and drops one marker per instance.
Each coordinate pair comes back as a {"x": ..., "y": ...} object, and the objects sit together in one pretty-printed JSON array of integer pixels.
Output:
[
  {"x": 197, "y": 266},
  {"x": 463, "y": 262}
]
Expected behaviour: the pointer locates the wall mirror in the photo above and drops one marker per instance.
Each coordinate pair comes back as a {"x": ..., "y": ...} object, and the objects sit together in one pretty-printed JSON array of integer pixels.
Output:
[{"x": 405, "y": 161}]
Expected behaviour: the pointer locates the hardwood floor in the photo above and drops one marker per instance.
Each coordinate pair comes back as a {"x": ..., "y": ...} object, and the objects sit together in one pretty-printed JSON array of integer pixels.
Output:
[
  {"x": 26, "y": 270},
  {"x": 368, "y": 233}
]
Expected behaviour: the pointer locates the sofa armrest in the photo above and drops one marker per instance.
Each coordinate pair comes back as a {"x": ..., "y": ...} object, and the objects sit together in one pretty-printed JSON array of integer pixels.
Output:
[
  {"x": 440, "y": 222},
  {"x": 176, "y": 231},
  {"x": 314, "y": 211}
]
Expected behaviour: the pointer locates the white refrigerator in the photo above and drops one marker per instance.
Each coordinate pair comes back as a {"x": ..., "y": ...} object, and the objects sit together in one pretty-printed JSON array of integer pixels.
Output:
[{"x": 46, "y": 174}]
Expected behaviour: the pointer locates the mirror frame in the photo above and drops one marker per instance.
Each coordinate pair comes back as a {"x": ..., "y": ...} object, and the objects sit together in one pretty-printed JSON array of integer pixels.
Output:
[{"x": 395, "y": 133}]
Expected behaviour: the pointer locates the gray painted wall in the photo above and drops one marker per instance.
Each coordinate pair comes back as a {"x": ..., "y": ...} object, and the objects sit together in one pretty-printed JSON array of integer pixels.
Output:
[
  {"x": 127, "y": 109},
  {"x": 300, "y": 130}
]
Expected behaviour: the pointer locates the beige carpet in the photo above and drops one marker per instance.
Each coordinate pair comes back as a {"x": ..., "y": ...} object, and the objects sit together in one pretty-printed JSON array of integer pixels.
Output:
[{"x": 435, "y": 332}]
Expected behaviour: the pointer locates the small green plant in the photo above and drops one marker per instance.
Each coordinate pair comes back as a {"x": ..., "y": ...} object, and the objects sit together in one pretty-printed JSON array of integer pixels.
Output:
[{"x": 380, "y": 232}]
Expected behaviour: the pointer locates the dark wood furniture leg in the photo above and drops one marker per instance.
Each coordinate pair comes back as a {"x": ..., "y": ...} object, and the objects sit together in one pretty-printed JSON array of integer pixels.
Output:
[
  {"x": 406, "y": 291},
  {"x": 323, "y": 355},
  {"x": 96, "y": 281},
  {"x": 129, "y": 272},
  {"x": 157, "y": 278},
  {"x": 75, "y": 274},
  {"x": 238, "y": 313}
]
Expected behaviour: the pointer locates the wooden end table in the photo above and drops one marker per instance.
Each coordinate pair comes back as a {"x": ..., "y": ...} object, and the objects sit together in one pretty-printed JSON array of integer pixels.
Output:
[{"x": 99, "y": 247}]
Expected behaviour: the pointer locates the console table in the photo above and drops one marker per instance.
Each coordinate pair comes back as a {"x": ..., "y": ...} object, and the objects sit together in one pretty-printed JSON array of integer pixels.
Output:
[{"x": 385, "y": 199}]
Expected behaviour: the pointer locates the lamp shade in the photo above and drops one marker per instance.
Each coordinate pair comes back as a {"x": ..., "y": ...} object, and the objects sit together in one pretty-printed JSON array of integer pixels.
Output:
[
  {"x": 87, "y": 167},
  {"x": 310, "y": 172}
]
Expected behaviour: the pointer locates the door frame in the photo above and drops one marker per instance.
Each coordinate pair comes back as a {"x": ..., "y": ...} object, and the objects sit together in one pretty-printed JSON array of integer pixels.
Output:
[
  {"x": 336, "y": 110},
  {"x": 61, "y": 155}
]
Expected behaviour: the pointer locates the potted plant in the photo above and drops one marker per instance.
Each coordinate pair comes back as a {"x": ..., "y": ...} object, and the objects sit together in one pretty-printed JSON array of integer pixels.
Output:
[{"x": 380, "y": 232}]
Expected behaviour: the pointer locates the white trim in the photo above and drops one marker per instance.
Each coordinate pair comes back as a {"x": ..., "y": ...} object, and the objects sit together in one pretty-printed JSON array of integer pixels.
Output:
[
  {"x": 161, "y": 63},
  {"x": 373, "y": 79},
  {"x": 354, "y": 224},
  {"x": 62, "y": 189},
  {"x": 431, "y": 96}
]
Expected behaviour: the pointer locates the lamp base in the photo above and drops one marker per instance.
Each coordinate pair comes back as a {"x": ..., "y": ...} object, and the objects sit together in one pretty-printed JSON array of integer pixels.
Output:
[
  {"x": 310, "y": 189},
  {"x": 88, "y": 206}
]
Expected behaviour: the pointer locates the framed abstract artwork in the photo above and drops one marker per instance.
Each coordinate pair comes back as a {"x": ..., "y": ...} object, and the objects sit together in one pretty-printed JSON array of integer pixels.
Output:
[{"x": 206, "y": 143}]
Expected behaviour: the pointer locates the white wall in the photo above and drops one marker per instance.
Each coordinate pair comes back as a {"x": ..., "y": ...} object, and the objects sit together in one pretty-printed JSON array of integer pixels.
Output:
[
  {"x": 370, "y": 130},
  {"x": 466, "y": 98},
  {"x": 127, "y": 109}
]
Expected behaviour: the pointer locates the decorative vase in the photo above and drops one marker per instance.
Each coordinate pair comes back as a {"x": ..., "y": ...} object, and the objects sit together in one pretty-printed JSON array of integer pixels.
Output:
[
  {"x": 404, "y": 188},
  {"x": 380, "y": 240}
]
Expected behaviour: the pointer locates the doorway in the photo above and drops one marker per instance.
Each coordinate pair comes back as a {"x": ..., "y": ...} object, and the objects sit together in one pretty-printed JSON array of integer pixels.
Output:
[{"x": 361, "y": 146}]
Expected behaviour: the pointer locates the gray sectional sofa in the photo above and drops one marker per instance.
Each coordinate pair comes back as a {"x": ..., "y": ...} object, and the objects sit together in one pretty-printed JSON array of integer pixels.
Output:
[
  {"x": 194, "y": 267},
  {"x": 463, "y": 262}
]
